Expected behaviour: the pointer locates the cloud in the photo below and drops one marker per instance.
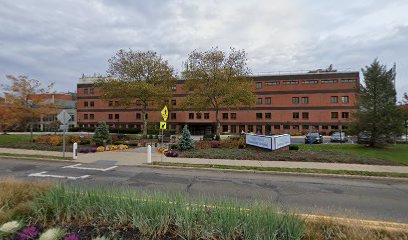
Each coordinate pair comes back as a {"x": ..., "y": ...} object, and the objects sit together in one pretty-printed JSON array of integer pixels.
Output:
[{"x": 57, "y": 41}]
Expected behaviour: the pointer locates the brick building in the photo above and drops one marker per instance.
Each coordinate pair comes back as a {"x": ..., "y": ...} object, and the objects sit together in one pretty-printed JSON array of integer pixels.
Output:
[{"x": 320, "y": 100}]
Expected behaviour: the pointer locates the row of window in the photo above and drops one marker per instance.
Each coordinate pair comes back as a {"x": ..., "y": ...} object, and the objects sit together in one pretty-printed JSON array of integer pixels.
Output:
[
  {"x": 199, "y": 116},
  {"x": 258, "y": 85},
  {"x": 268, "y": 128},
  {"x": 333, "y": 99},
  {"x": 225, "y": 116},
  {"x": 305, "y": 115},
  {"x": 89, "y": 91},
  {"x": 89, "y": 104},
  {"x": 89, "y": 116},
  {"x": 295, "y": 100}
]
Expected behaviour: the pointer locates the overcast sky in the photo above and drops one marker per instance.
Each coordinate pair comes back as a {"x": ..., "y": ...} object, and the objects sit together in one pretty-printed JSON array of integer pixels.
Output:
[{"x": 58, "y": 41}]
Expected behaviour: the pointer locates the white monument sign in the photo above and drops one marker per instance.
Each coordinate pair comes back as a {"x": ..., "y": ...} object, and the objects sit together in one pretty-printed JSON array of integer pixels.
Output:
[
  {"x": 274, "y": 142},
  {"x": 259, "y": 141},
  {"x": 280, "y": 141}
]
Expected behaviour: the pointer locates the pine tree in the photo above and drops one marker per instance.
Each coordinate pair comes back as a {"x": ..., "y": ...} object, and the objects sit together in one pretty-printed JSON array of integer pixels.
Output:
[
  {"x": 186, "y": 142},
  {"x": 378, "y": 112},
  {"x": 102, "y": 134}
]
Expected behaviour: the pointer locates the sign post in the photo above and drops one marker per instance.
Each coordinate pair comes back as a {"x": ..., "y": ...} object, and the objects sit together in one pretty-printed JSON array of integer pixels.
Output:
[
  {"x": 64, "y": 118},
  {"x": 163, "y": 125},
  {"x": 406, "y": 131}
]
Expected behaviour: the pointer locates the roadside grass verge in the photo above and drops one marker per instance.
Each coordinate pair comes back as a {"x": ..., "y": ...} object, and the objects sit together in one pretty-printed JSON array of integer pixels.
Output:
[
  {"x": 394, "y": 153},
  {"x": 35, "y": 146},
  {"x": 331, "y": 153},
  {"x": 11, "y": 155},
  {"x": 162, "y": 216},
  {"x": 11, "y": 138},
  {"x": 16, "y": 197},
  {"x": 120, "y": 213},
  {"x": 290, "y": 170},
  {"x": 325, "y": 229}
]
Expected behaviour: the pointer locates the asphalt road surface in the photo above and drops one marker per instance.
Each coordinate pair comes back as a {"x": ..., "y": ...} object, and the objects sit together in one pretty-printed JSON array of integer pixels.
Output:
[{"x": 376, "y": 199}]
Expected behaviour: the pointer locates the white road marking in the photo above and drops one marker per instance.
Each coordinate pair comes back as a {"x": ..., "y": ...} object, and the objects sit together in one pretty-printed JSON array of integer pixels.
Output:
[
  {"x": 43, "y": 174},
  {"x": 77, "y": 166}
]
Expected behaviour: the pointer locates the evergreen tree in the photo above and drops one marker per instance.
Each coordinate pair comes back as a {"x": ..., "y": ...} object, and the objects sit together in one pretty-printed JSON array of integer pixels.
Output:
[
  {"x": 102, "y": 134},
  {"x": 186, "y": 142},
  {"x": 378, "y": 112}
]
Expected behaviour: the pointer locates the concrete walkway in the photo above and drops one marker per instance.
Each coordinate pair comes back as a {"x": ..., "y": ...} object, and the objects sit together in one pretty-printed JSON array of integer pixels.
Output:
[{"x": 137, "y": 157}]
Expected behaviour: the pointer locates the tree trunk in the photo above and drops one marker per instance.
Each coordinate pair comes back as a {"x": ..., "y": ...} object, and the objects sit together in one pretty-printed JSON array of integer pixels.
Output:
[
  {"x": 218, "y": 126},
  {"x": 31, "y": 131}
]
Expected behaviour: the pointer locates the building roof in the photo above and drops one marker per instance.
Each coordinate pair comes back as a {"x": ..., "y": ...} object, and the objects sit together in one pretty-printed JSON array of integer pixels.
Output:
[{"x": 318, "y": 74}]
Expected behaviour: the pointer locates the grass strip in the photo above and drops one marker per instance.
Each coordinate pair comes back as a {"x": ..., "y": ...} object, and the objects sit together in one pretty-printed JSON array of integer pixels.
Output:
[
  {"x": 122, "y": 213},
  {"x": 291, "y": 170},
  {"x": 164, "y": 215},
  {"x": 32, "y": 156}
]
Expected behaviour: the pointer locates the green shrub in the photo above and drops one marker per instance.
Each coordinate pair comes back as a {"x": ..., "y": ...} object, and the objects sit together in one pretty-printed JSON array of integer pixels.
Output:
[
  {"x": 293, "y": 147},
  {"x": 102, "y": 134},
  {"x": 208, "y": 137},
  {"x": 186, "y": 142}
]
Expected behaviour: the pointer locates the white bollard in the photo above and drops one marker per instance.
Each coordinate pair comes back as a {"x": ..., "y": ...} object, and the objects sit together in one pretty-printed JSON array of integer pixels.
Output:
[
  {"x": 75, "y": 151},
  {"x": 149, "y": 154}
]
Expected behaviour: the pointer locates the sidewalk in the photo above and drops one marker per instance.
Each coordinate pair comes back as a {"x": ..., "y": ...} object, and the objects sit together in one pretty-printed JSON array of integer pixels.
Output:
[
  {"x": 34, "y": 152},
  {"x": 287, "y": 164},
  {"x": 138, "y": 157}
]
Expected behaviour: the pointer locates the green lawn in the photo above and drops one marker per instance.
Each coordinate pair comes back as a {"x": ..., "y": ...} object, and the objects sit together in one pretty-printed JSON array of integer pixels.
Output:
[
  {"x": 334, "y": 153},
  {"x": 396, "y": 153},
  {"x": 23, "y": 142},
  {"x": 6, "y": 139}
]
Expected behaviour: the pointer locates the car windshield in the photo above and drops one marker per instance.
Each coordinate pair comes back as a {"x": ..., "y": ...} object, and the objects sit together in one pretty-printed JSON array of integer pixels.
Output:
[{"x": 313, "y": 135}]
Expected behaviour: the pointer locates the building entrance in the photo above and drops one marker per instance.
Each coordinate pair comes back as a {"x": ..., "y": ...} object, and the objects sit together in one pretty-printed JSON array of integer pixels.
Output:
[{"x": 201, "y": 129}]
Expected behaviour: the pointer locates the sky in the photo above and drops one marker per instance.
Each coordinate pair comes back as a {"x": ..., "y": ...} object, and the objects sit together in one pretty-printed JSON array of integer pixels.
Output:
[{"x": 58, "y": 41}]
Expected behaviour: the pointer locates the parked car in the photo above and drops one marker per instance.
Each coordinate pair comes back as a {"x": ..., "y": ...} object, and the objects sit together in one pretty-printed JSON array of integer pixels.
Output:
[
  {"x": 339, "y": 137},
  {"x": 312, "y": 138},
  {"x": 364, "y": 137}
]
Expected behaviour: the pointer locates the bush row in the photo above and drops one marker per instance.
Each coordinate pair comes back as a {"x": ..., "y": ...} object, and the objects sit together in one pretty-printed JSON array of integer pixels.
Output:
[{"x": 56, "y": 140}]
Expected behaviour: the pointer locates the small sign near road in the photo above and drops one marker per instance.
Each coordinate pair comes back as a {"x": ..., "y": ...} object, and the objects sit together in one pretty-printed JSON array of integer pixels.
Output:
[
  {"x": 63, "y": 117},
  {"x": 165, "y": 113},
  {"x": 163, "y": 125},
  {"x": 63, "y": 127}
]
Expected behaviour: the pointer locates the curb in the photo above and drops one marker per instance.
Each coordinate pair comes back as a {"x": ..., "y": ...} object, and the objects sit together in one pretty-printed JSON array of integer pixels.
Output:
[{"x": 279, "y": 173}]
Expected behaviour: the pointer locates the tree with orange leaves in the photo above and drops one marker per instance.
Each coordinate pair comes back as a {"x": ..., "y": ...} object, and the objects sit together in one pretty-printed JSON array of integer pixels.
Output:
[{"x": 21, "y": 103}]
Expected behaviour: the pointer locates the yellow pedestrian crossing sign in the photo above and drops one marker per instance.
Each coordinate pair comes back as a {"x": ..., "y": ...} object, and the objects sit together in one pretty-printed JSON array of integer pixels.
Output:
[
  {"x": 165, "y": 113},
  {"x": 163, "y": 125}
]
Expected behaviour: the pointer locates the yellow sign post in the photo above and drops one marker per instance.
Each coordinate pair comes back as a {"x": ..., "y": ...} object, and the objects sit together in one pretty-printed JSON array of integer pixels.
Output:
[
  {"x": 165, "y": 113},
  {"x": 163, "y": 125}
]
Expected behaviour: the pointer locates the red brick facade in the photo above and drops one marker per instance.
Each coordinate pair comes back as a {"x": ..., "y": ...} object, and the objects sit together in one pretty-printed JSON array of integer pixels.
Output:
[{"x": 294, "y": 103}]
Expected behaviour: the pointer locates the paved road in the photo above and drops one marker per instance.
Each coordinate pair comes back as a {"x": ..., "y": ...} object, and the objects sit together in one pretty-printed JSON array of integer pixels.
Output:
[{"x": 361, "y": 198}]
